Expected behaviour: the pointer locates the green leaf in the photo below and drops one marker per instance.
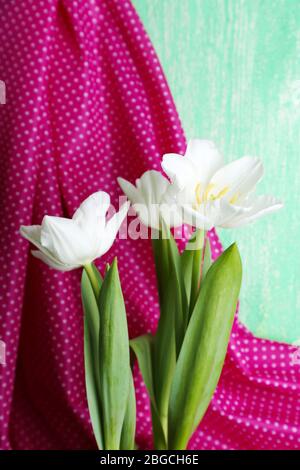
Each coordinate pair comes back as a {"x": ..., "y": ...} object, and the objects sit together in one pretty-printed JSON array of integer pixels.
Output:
[
  {"x": 164, "y": 354},
  {"x": 113, "y": 358},
  {"x": 142, "y": 347},
  {"x": 128, "y": 429},
  {"x": 204, "y": 348},
  {"x": 91, "y": 355}
]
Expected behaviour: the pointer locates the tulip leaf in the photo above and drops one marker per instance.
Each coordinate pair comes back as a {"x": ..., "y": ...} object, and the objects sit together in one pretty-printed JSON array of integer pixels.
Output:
[
  {"x": 113, "y": 358},
  {"x": 91, "y": 355},
  {"x": 204, "y": 348},
  {"x": 142, "y": 347},
  {"x": 164, "y": 353},
  {"x": 128, "y": 429}
]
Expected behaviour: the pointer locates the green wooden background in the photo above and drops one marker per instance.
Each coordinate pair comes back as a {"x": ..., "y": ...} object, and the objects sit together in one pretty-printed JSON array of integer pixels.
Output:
[{"x": 233, "y": 67}]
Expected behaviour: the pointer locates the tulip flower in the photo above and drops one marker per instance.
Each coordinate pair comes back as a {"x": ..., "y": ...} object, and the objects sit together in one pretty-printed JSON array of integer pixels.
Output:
[
  {"x": 151, "y": 200},
  {"x": 211, "y": 194},
  {"x": 67, "y": 244}
]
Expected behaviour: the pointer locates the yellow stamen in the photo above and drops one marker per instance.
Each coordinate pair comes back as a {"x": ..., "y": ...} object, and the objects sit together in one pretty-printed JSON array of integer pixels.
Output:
[
  {"x": 222, "y": 192},
  {"x": 198, "y": 193},
  {"x": 202, "y": 197},
  {"x": 234, "y": 198},
  {"x": 208, "y": 188}
]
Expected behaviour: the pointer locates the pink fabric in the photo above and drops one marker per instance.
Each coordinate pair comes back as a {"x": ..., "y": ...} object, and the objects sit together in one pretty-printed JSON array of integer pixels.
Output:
[{"x": 86, "y": 102}]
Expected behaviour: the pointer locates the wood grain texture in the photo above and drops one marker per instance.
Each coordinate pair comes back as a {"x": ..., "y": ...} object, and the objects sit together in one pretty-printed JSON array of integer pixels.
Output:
[{"x": 233, "y": 67}]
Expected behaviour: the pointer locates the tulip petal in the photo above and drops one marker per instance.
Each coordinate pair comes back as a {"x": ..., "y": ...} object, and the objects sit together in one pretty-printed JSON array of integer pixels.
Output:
[
  {"x": 260, "y": 205},
  {"x": 152, "y": 186},
  {"x": 206, "y": 157},
  {"x": 112, "y": 228},
  {"x": 155, "y": 187},
  {"x": 181, "y": 170},
  {"x": 147, "y": 196},
  {"x": 222, "y": 212},
  {"x": 93, "y": 210},
  {"x": 67, "y": 242},
  {"x": 238, "y": 177},
  {"x": 91, "y": 218},
  {"x": 173, "y": 197},
  {"x": 32, "y": 233},
  {"x": 196, "y": 218},
  {"x": 171, "y": 213},
  {"x": 130, "y": 190},
  {"x": 50, "y": 261}
]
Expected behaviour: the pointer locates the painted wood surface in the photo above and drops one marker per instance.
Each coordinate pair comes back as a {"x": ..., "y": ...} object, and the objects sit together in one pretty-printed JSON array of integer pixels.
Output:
[{"x": 233, "y": 67}]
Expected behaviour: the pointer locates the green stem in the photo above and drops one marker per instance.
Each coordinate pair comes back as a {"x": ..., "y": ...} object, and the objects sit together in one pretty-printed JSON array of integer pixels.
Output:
[
  {"x": 89, "y": 269},
  {"x": 196, "y": 267}
]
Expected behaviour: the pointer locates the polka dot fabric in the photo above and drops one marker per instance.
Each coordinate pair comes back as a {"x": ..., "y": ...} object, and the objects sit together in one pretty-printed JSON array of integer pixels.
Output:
[{"x": 86, "y": 102}]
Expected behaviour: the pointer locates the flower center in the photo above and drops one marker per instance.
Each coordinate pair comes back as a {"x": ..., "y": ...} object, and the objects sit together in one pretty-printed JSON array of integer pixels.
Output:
[{"x": 209, "y": 193}]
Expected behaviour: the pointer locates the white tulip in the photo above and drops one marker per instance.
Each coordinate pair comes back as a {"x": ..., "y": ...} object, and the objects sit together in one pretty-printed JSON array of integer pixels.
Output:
[
  {"x": 151, "y": 200},
  {"x": 211, "y": 194},
  {"x": 67, "y": 244}
]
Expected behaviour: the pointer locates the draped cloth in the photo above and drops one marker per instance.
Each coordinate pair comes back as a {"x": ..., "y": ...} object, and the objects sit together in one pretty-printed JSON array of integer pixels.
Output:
[{"x": 87, "y": 101}]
